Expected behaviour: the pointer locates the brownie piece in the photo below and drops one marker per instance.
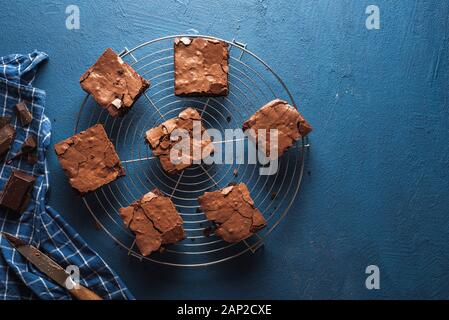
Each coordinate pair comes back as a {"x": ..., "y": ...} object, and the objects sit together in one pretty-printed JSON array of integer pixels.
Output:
[
  {"x": 17, "y": 192},
  {"x": 160, "y": 142},
  {"x": 233, "y": 212},
  {"x": 201, "y": 67},
  {"x": 278, "y": 114},
  {"x": 24, "y": 114},
  {"x": 154, "y": 220},
  {"x": 113, "y": 83},
  {"x": 89, "y": 159},
  {"x": 7, "y": 135}
]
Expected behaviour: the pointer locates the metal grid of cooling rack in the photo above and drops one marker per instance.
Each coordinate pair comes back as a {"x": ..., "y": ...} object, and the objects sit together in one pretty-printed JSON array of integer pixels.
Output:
[{"x": 252, "y": 83}]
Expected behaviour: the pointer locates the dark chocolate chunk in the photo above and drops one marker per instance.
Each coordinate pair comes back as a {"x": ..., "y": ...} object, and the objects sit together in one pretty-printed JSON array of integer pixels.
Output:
[
  {"x": 155, "y": 222},
  {"x": 160, "y": 142},
  {"x": 24, "y": 114},
  {"x": 201, "y": 67},
  {"x": 17, "y": 191},
  {"x": 89, "y": 159},
  {"x": 233, "y": 212},
  {"x": 28, "y": 146},
  {"x": 7, "y": 135},
  {"x": 113, "y": 83},
  {"x": 4, "y": 120},
  {"x": 32, "y": 158},
  {"x": 278, "y": 114}
]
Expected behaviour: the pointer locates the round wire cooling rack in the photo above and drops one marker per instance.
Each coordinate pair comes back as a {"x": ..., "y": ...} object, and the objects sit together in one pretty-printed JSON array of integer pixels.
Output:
[{"x": 252, "y": 83}]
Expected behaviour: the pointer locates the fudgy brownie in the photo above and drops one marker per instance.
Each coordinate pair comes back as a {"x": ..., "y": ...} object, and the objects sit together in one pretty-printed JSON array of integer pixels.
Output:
[
  {"x": 154, "y": 220},
  {"x": 233, "y": 212},
  {"x": 161, "y": 142},
  {"x": 278, "y": 114},
  {"x": 89, "y": 159},
  {"x": 201, "y": 67},
  {"x": 113, "y": 83}
]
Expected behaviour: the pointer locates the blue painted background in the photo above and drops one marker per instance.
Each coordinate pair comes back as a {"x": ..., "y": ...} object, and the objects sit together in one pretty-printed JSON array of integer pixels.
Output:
[{"x": 378, "y": 189}]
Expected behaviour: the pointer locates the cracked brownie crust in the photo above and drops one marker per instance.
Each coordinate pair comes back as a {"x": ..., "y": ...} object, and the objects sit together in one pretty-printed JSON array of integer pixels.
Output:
[
  {"x": 154, "y": 220},
  {"x": 89, "y": 159},
  {"x": 113, "y": 84},
  {"x": 160, "y": 142},
  {"x": 233, "y": 212},
  {"x": 278, "y": 114},
  {"x": 201, "y": 67}
]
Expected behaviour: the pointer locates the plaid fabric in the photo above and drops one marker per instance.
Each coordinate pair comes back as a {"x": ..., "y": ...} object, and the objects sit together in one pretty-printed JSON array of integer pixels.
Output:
[{"x": 40, "y": 225}]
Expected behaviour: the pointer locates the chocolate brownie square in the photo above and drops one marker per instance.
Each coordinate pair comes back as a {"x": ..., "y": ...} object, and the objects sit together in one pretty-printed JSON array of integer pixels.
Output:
[
  {"x": 201, "y": 67},
  {"x": 89, "y": 159},
  {"x": 161, "y": 141},
  {"x": 278, "y": 114},
  {"x": 233, "y": 212},
  {"x": 113, "y": 83},
  {"x": 154, "y": 220}
]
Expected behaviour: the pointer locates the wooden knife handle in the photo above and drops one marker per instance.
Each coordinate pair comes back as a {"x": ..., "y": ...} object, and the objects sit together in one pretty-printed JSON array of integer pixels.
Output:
[{"x": 82, "y": 293}]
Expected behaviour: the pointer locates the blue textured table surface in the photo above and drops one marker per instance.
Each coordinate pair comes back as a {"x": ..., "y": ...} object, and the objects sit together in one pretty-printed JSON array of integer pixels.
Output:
[{"x": 378, "y": 188}]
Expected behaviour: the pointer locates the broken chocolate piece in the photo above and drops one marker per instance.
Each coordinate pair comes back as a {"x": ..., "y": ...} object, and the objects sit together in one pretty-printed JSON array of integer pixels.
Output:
[
  {"x": 24, "y": 114},
  {"x": 89, "y": 159},
  {"x": 17, "y": 192},
  {"x": 161, "y": 142},
  {"x": 154, "y": 220},
  {"x": 278, "y": 114},
  {"x": 113, "y": 83},
  {"x": 4, "y": 120},
  {"x": 32, "y": 158},
  {"x": 28, "y": 146},
  {"x": 233, "y": 212},
  {"x": 7, "y": 135},
  {"x": 201, "y": 67}
]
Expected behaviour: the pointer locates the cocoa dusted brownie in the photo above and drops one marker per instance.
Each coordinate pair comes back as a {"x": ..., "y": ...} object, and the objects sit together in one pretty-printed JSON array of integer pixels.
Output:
[
  {"x": 201, "y": 67},
  {"x": 161, "y": 142},
  {"x": 233, "y": 212},
  {"x": 155, "y": 222},
  {"x": 89, "y": 159},
  {"x": 113, "y": 83},
  {"x": 278, "y": 114}
]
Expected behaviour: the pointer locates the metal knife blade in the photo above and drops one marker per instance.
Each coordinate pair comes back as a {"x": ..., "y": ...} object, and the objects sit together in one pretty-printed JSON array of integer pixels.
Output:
[{"x": 40, "y": 260}]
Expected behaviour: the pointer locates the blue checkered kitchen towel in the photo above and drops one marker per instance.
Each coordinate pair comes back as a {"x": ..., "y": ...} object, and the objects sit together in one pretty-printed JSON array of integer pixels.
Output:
[{"x": 40, "y": 225}]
